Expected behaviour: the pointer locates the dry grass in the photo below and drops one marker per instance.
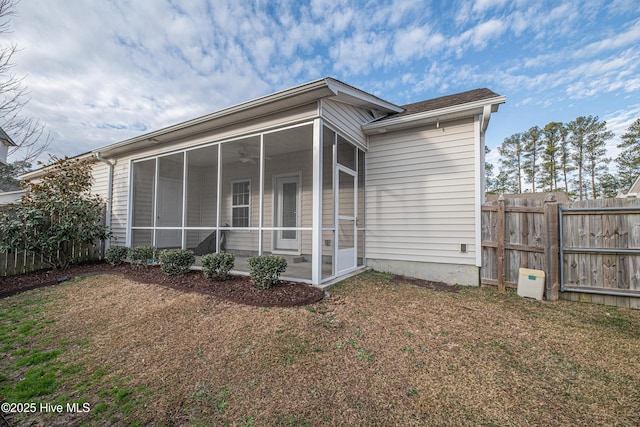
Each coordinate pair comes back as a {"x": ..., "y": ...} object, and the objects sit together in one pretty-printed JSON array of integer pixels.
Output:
[{"x": 374, "y": 353}]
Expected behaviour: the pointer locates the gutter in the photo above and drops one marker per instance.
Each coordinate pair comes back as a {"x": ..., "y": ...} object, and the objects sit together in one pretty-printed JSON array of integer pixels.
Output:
[
  {"x": 486, "y": 106},
  {"x": 107, "y": 221}
]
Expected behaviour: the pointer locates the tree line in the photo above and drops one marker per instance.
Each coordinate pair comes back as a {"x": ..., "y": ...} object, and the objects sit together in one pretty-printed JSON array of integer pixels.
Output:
[{"x": 569, "y": 157}]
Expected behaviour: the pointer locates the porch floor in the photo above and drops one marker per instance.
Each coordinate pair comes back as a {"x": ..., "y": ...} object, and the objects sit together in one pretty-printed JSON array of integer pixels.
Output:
[{"x": 299, "y": 270}]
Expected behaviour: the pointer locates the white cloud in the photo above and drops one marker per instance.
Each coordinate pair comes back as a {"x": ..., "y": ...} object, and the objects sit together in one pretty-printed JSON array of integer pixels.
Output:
[
  {"x": 484, "y": 5},
  {"x": 629, "y": 37},
  {"x": 100, "y": 72}
]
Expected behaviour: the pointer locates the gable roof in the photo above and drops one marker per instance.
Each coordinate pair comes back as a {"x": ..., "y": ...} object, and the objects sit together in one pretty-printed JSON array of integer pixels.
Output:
[
  {"x": 6, "y": 139},
  {"x": 478, "y": 101},
  {"x": 278, "y": 101}
]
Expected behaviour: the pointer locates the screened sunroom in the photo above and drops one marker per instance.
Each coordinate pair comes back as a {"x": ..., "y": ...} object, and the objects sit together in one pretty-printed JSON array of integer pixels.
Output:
[{"x": 296, "y": 192}]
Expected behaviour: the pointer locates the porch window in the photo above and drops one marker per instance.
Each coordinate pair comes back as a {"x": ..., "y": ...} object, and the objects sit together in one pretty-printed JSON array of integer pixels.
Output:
[{"x": 240, "y": 203}]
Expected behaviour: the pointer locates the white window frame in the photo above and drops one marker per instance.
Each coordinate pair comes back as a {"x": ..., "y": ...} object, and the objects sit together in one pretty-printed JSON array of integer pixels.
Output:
[{"x": 234, "y": 206}]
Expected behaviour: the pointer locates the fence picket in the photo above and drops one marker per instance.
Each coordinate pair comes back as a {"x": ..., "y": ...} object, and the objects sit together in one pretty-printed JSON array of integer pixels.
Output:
[
  {"x": 530, "y": 238},
  {"x": 20, "y": 262}
]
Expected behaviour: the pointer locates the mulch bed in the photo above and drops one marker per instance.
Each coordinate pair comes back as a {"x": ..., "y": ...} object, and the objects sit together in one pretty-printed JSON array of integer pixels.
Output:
[{"x": 237, "y": 289}]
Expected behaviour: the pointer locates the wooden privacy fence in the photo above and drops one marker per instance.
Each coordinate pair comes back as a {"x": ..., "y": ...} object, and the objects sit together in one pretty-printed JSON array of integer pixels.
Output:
[
  {"x": 515, "y": 235},
  {"x": 19, "y": 262},
  {"x": 589, "y": 251}
]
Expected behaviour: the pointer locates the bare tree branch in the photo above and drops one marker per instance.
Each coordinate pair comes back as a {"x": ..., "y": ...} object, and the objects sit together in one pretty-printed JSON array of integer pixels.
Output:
[{"x": 28, "y": 133}]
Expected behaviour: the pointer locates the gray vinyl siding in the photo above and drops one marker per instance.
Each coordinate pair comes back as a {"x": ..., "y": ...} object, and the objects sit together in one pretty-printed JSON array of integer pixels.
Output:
[
  {"x": 100, "y": 185},
  {"x": 347, "y": 118},
  {"x": 421, "y": 194}
]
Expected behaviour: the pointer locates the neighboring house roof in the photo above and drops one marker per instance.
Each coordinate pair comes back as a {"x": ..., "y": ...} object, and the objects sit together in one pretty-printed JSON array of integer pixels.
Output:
[
  {"x": 560, "y": 196},
  {"x": 6, "y": 139},
  {"x": 633, "y": 191},
  {"x": 11, "y": 196},
  {"x": 5, "y": 143}
]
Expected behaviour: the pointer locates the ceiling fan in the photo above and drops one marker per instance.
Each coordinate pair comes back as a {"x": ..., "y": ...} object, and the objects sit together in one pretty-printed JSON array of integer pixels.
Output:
[{"x": 245, "y": 157}]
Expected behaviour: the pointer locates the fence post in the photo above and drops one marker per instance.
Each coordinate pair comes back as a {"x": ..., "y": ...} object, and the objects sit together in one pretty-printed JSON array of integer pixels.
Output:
[
  {"x": 552, "y": 248},
  {"x": 500, "y": 248}
]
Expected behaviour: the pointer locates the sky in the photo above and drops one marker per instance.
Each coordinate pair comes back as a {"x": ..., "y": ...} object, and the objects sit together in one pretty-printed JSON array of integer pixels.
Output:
[{"x": 100, "y": 72}]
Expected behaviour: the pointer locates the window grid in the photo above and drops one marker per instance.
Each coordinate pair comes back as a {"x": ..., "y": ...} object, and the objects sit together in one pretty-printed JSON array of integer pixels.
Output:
[{"x": 240, "y": 202}]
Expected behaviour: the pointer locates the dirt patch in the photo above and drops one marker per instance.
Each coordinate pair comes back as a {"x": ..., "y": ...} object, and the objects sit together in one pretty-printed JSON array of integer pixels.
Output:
[
  {"x": 237, "y": 289},
  {"x": 434, "y": 286}
]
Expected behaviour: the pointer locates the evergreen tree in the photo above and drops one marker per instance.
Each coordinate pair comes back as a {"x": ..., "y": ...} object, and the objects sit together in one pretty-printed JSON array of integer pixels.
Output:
[
  {"x": 583, "y": 130},
  {"x": 595, "y": 154},
  {"x": 551, "y": 156},
  {"x": 628, "y": 160},
  {"x": 488, "y": 172},
  {"x": 511, "y": 162},
  {"x": 8, "y": 174},
  {"x": 531, "y": 153},
  {"x": 609, "y": 185},
  {"x": 504, "y": 184},
  {"x": 564, "y": 157}
]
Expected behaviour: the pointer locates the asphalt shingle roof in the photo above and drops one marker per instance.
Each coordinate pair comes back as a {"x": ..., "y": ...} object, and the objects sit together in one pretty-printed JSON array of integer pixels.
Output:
[{"x": 446, "y": 101}]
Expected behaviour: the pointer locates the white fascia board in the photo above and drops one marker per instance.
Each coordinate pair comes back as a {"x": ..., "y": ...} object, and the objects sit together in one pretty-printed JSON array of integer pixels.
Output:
[
  {"x": 308, "y": 88},
  {"x": 351, "y": 95},
  {"x": 427, "y": 117},
  {"x": 39, "y": 173}
]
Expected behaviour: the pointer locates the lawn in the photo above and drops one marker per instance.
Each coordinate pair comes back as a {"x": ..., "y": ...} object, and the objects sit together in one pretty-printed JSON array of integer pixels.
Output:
[{"x": 375, "y": 352}]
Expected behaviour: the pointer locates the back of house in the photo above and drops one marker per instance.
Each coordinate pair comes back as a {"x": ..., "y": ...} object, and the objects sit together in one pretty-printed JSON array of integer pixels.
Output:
[{"x": 329, "y": 176}]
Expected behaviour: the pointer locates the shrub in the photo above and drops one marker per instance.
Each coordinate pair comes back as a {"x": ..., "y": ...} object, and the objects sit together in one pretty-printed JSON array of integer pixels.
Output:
[
  {"x": 217, "y": 266},
  {"x": 140, "y": 255},
  {"x": 265, "y": 270},
  {"x": 57, "y": 214},
  {"x": 176, "y": 261},
  {"x": 116, "y": 254}
]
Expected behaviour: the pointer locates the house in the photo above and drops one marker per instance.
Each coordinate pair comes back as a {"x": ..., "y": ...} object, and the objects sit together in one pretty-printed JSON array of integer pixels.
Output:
[
  {"x": 327, "y": 175},
  {"x": 632, "y": 193},
  {"x": 5, "y": 143},
  {"x": 9, "y": 197}
]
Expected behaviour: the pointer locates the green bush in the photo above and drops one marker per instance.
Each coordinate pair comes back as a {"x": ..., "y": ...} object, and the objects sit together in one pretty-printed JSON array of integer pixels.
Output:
[
  {"x": 265, "y": 270},
  {"x": 116, "y": 254},
  {"x": 141, "y": 255},
  {"x": 217, "y": 266},
  {"x": 57, "y": 215},
  {"x": 176, "y": 261}
]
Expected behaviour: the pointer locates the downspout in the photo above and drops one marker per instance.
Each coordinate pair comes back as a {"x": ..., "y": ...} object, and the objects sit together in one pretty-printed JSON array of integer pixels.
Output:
[{"x": 107, "y": 221}]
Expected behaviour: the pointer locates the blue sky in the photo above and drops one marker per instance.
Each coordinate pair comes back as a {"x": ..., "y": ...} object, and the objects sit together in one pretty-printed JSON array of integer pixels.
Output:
[{"x": 101, "y": 72}]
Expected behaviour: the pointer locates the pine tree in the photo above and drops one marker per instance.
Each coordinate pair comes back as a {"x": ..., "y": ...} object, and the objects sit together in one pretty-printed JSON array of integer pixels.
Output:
[
  {"x": 609, "y": 185},
  {"x": 531, "y": 153},
  {"x": 488, "y": 172},
  {"x": 628, "y": 160},
  {"x": 504, "y": 184},
  {"x": 564, "y": 156},
  {"x": 586, "y": 132},
  {"x": 551, "y": 156},
  {"x": 596, "y": 154},
  {"x": 511, "y": 163}
]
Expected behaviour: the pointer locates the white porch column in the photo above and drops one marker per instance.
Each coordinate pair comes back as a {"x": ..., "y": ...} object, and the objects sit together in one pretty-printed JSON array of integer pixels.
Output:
[{"x": 316, "y": 207}]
